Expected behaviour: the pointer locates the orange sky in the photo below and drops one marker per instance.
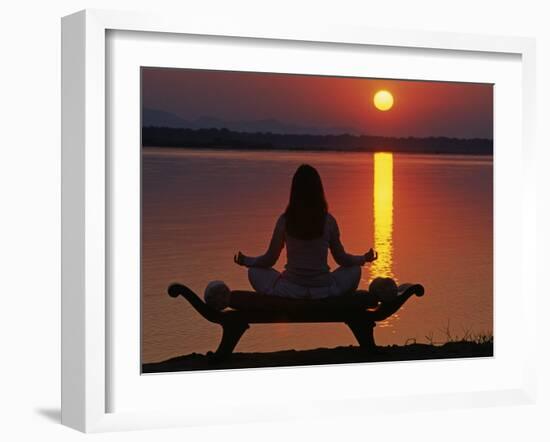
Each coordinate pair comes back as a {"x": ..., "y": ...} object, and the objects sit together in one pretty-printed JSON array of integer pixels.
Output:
[{"x": 331, "y": 104}]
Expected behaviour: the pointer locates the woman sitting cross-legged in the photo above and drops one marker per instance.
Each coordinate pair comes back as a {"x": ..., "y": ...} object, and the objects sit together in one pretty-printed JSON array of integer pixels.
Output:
[{"x": 308, "y": 230}]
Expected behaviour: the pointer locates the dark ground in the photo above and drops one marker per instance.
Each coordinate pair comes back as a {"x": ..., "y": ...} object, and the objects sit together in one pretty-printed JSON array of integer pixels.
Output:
[{"x": 320, "y": 356}]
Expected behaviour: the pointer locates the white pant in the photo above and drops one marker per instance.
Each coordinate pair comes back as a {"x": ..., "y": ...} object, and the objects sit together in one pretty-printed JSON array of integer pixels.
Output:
[{"x": 270, "y": 282}]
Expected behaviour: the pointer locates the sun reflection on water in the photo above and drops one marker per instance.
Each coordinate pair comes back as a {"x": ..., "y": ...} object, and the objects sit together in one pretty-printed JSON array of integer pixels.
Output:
[{"x": 383, "y": 215}]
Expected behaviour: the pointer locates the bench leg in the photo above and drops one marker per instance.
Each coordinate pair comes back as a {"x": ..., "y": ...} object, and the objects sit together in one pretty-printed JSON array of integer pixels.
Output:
[
  {"x": 363, "y": 330},
  {"x": 232, "y": 333}
]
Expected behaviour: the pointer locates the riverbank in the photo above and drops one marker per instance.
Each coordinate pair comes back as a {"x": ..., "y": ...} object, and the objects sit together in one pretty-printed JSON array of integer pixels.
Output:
[
  {"x": 214, "y": 138},
  {"x": 322, "y": 356}
]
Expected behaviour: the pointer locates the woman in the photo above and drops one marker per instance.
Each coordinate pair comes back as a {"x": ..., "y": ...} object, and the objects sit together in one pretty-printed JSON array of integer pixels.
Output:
[{"x": 308, "y": 231}]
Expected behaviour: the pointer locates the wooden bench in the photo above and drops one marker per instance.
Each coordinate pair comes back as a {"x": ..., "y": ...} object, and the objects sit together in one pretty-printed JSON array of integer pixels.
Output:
[{"x": 359, "y": 311}]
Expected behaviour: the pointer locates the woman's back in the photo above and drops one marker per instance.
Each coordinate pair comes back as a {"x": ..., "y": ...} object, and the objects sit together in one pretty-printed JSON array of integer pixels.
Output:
[
  {"x": 308, "y": 231},
  {"x": 307, "y": 262}
]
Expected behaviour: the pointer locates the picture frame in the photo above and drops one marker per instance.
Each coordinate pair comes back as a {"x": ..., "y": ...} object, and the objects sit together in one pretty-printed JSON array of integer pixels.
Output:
[{"x": 88, "y": 311}]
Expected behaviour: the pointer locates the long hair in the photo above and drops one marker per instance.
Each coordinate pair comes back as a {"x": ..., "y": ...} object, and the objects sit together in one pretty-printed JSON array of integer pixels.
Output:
[{"x": 307, "y": 207}]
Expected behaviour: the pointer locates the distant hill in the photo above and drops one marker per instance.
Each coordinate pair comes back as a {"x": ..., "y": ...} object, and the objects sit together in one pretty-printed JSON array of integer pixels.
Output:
[
  {"x": 229, "y": 139},
  {"x": 158, "y": 118}
]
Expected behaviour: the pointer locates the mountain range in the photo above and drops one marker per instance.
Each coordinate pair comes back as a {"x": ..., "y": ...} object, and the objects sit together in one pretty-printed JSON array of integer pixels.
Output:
[{"x": 158, "y": 118}]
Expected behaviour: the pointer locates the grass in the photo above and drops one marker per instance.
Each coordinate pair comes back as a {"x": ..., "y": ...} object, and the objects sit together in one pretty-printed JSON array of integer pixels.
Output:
[{"x": 467, "y": 336}]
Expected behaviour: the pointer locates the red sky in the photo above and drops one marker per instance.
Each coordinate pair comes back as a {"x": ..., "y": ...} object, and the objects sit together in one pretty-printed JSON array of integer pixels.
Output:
[{"x": 421, "y": 108}]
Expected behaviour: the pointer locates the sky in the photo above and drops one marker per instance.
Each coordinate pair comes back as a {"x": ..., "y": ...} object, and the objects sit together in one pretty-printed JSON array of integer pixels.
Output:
[{"x": 326, "y": 104}]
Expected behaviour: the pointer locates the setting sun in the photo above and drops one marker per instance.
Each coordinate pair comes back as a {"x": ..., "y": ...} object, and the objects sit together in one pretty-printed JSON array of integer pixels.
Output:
[{"x": 383, "y": 100}]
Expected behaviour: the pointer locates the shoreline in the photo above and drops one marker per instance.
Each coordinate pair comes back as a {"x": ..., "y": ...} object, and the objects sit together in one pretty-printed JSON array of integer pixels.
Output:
[
  {"x": 228, "y": 139},
  {"x": 324, "y": 356},
  {"x": 313, "y": 150}
]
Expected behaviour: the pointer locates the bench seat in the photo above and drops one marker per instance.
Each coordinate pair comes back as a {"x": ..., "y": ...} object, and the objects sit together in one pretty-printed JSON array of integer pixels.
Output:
[{"x": 359, "y": 310}]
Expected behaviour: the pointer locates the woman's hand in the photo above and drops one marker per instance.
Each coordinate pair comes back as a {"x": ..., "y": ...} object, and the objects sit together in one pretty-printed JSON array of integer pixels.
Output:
[
  {"x": 371, "y": 256},
  {"x": 239, "y": 258}
]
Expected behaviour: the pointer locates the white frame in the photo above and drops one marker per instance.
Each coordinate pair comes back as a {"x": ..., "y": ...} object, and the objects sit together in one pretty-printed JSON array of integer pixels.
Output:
[{"x": 85, "y": 202}]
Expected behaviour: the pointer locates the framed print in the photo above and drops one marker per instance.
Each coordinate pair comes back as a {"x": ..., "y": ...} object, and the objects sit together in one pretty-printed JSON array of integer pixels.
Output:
[
  {"x": 372, "y": 166},
  {"x": 221, "y": 151}
]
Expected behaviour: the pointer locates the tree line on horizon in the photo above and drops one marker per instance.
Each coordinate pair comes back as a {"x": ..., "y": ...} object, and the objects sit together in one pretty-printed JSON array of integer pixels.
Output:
[{"x": 228, "y": 139}]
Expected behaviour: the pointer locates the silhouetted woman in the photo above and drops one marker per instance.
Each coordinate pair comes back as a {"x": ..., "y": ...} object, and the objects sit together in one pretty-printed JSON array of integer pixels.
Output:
[{"x": 309, "y": 231}]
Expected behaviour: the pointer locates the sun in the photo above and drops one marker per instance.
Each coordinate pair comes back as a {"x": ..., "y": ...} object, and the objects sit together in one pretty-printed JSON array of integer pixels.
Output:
[{"x": 383, "y": 100}]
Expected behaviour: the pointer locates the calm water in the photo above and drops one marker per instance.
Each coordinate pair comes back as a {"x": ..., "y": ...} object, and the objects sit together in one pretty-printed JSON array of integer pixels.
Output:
[{"x": 429, "y": 217}]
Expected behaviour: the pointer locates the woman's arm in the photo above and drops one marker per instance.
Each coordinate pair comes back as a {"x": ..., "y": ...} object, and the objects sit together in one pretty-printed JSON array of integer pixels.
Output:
[
  {"x": 337, "y": 249},
  {"x": 269, "y": 258}
]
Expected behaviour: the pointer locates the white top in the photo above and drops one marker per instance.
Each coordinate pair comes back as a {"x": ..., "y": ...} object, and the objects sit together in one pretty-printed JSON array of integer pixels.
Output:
[{"x": 306, "y": 259}]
